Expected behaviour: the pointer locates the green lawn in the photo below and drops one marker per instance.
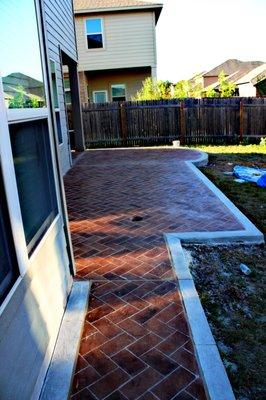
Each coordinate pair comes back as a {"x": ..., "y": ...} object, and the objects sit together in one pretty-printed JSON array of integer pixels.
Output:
[{"x": 248, "y": 197}]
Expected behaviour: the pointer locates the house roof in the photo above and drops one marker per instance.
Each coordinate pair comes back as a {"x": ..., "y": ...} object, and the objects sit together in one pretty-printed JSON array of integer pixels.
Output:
[
  {"x": 254, "y": 76},
  {"x": 232, "y": 66},
  {"x": 245, "y": 74},
  {"x": 97, "y": 6}
]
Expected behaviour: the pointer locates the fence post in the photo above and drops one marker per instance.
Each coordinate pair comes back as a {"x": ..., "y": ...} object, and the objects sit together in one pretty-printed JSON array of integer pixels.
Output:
[
  {"x": 182, "y": 123},
  {"x": 123, "y": 123},
  {"x": 241, "y": 121}
]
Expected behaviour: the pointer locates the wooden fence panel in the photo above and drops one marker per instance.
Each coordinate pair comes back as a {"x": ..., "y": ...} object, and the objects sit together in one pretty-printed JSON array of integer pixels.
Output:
[{"x": 209, "y": 120}]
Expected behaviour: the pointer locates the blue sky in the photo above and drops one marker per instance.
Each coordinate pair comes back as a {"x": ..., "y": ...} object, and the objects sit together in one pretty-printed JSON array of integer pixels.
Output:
[
  {"x": 196, "y": 35},
  {"x": 19, "y": 39}
]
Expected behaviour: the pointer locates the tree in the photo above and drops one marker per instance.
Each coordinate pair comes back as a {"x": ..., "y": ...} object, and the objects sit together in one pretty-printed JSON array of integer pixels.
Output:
[
  {"x": 20, "y": 100},
  {"x": 226, "y": 88},
  {"x": 189, "y": 88},
  {"x": 154, "y": 90}
]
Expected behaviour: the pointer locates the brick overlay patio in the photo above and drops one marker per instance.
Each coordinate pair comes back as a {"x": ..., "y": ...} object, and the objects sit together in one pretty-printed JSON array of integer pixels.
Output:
[{"x": 136, "y": 343}]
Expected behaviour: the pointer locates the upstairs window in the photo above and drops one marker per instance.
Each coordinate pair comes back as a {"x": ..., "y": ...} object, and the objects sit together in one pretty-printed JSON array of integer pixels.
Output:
[
  {"x": 94, "y": 33},
  {"x": 118, "y": 92}
]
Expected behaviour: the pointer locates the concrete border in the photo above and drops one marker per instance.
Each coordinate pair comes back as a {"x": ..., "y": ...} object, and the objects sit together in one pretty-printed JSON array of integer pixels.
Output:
[
  {"x": 216, "y": 382},
  {"x": 60, "y": 373},
  {"x": 249, "y": 234}
]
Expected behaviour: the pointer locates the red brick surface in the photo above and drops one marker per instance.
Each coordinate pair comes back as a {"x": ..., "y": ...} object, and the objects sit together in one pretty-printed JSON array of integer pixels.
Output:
[{"x": 136, "y": 342}]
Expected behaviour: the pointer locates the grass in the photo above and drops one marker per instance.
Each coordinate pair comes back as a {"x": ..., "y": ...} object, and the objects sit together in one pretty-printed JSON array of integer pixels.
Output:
[{"x": 248, "y": 197}]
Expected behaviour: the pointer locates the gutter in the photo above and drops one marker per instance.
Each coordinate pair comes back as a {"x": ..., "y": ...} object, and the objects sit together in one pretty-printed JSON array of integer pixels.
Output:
[{"x": 157, "y": 8}]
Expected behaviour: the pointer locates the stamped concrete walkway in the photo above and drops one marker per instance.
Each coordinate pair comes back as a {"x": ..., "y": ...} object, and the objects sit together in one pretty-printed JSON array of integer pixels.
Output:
[{"x": 136, "y": 343}]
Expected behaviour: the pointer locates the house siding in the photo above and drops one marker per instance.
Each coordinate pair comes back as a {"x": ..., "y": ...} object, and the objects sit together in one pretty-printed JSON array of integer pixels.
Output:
[
  {"x": 58, "y": 16},
  {"x": 30, "y": 322},
  {"x": 31, "y": 315},
  {"x": 129, "y": 40},
  {"x": 104, "y": 79}
]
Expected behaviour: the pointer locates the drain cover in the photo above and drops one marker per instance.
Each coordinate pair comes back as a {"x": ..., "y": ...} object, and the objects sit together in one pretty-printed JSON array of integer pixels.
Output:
[{"x": 137, "y": 218}]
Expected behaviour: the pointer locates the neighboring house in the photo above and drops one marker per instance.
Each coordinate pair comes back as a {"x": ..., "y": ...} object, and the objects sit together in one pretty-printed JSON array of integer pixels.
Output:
[
  {"x": 116, "y": 47},
  {"x": 22, "y": 88},
  {"x": 242, "y": 73},
  {"x": 36, "y": 262},
  {"x": 259, "y": 81}
]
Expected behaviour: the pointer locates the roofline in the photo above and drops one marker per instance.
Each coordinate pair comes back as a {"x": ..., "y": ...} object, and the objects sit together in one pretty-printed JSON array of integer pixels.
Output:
[{"x": 155, "y": 7}]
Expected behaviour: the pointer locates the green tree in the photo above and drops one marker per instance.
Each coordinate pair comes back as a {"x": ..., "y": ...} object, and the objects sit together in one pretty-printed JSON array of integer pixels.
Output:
[
  {"x": 226, "y": 88},
  {"x": 154, "y": 90},
  {"x": 209, "y": 92},
  {"x": 18, "y": 99}
]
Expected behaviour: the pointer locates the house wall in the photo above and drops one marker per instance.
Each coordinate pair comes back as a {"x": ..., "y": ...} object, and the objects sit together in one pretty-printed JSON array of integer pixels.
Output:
[
  {"x": 31, "y": 314},
  {"x": 247, "y": 90},
  {"x": 209, "y": 80},
  {"x": 30, "y": 321},
  {"x": 129, "y": 41},
  {"x": 61, "y": 32},
  {"x": 103, "y": 80}
]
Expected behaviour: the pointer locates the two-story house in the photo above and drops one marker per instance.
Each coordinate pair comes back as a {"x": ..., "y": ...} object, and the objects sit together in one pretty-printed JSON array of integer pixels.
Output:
[{"x": 116, "y": 46}]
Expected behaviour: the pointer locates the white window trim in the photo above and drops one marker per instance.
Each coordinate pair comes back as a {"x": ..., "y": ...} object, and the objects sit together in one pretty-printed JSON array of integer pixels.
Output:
[
  {"x": 120, "y": 84},
  {"x": 95, "y": 33},
  {"x": 10, "y": 184},
  {"x": 17, "y": 115},
  {"x": 100, "y": 91},
  {"x": 10, "y": 116},
  {"x": 57, "y": 109}
]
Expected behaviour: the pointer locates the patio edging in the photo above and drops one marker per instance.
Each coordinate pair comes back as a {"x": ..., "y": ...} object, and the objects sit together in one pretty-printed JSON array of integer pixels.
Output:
[
  {"x": 216, "y": 382},
  {"x": 57, "y": 383}
]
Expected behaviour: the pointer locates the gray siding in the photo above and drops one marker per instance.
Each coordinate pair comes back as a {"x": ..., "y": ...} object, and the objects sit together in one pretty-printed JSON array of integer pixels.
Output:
[
  {"x": 129, "y": 42},
  {"x": 31, "y": 317},
  {"x": 30, "y": 322},
  {"x": 60, "y": 30}
]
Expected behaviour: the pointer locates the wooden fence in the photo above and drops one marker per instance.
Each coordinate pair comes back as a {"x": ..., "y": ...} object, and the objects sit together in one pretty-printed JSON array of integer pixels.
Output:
[{"x": 160, "y": 122}]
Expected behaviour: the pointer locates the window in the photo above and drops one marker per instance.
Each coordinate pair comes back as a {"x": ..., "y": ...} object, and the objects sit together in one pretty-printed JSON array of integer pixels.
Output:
[
  {"x": 100, "y": 96},
  {"x": 67, "y": 90},
  {"x": 118, "y": 92},
  {"x": 8, "y": 267},
  {"x": 27, "y": 118},
  {"x": 35, "y": 180},
  {"x": 56, "y": 101},
  {"x": 94, "y": 33},
  {"x": 21, "y": 67}
]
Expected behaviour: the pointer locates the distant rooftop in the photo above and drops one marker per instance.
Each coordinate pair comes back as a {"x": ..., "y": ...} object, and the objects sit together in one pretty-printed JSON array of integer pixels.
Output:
[
  {"x": 232, "y": 66},
  {"x": 96, "y": 6}
]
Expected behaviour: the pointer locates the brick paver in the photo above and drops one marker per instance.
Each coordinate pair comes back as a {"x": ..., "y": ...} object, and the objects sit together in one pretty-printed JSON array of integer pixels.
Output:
[{"x": 136, "y": 342}]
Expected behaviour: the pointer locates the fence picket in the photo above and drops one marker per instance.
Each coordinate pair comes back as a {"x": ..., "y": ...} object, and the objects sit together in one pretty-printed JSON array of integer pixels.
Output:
[{"x": 210, "y": 120}]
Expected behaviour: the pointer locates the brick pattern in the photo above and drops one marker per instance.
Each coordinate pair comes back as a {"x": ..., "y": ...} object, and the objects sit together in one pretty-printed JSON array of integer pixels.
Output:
[
  {"x": 136, "y": 342},
  {"x": 106, "y": 189}
]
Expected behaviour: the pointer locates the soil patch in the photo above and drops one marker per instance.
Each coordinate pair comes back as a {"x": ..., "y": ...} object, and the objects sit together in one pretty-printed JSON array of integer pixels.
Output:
[{"x": 235, "y": 307}]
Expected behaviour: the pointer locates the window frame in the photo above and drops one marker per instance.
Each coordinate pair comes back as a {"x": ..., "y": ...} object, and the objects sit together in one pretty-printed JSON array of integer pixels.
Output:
[
  {"x": 118, "y": 84},
  {"x": 13, "y": 272},
  {"x": 95, "y": 33},
  {"x": 15, "y": 116},
  {"x": 100, "y": 91},
  {"x": 56, "y": 110}
]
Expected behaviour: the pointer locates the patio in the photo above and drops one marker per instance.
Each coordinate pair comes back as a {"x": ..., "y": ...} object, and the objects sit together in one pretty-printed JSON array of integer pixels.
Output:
[{"x": 136, "y": 343}]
